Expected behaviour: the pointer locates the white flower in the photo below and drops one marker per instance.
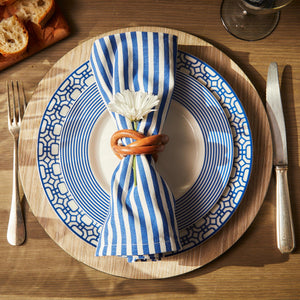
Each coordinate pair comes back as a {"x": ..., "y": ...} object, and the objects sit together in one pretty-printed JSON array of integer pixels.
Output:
[{"x": 133, "y": 105}]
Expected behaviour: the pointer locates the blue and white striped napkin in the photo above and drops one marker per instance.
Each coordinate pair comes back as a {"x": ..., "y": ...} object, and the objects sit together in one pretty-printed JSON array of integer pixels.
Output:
[{"x": 141, "y": 223}]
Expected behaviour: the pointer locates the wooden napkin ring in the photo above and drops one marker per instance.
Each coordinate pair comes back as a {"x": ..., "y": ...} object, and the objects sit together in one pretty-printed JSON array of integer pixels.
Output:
[{"x": 142, "y": 144}]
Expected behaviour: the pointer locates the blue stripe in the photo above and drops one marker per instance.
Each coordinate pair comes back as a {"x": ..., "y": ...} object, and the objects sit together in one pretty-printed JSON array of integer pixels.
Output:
[
  {"x": 125, "y": 61},
  {"x": 166, "y": 77},
  {"x": 119, "y": 199},
  {"x": 160, "y": 204},
  {"x": 155, "y": 63},
  {"x": 173, "y": 220},
  {"x": 147, "y": 194},
  {"x": 141, "y": 216},
  {"x": 107, "y": 55},
  {"x": 146, "y": 62},
  {"x": 174, "y": 54},
  {"x": 113, "y": 43},
  {"x": 131, "y": 216},
  {"x": 135, "y": 59},
  {"x": 111, "y": 217},
  {"x": 103, "y": 238},
  {"x": 166, "y": 68},
  {"x": 95, "y": 65},
  {"x": 116, "y": 64}
]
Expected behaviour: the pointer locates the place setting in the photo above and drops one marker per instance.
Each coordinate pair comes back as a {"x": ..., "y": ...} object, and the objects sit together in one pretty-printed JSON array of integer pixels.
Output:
[{"x": 151, "y": 191}]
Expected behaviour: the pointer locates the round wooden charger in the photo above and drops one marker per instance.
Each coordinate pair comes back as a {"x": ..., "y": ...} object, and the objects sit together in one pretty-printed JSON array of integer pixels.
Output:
[{"x": 183, "y": 262}]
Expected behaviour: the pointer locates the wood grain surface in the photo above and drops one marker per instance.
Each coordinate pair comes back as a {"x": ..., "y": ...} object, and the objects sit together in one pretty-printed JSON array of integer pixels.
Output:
[{"x": 253, "y": 267}]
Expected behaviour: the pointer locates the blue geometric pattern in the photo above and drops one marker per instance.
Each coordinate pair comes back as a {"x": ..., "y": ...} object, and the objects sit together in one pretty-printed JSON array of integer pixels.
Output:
[
  {"x": 88, "y": 229},
  {"x": 48, "y": 155}
]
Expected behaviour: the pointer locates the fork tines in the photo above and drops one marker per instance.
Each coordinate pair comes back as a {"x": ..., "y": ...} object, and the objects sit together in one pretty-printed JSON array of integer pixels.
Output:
[{"x": 16, "y": 101}]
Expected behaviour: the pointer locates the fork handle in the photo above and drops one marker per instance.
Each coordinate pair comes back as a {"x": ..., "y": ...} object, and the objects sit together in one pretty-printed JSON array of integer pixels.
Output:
[{"x": 16, "y": 225}]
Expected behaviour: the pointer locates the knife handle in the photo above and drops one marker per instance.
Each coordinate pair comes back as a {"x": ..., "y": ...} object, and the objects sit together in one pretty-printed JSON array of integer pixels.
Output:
[{"x": 284, "y": 221}]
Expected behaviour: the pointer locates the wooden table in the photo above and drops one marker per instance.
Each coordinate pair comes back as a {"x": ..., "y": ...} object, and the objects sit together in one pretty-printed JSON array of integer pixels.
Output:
[{"x": 253, "y": 267}]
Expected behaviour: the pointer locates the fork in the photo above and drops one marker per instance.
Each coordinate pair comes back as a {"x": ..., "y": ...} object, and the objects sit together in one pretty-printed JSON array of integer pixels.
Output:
[{"x": 16, "y": 227}]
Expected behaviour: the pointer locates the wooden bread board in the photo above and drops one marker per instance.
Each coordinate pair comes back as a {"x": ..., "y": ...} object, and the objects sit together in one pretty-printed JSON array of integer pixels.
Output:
[
  {"x": 183, "y": 262},
  {"x": 55, "y": 30}
]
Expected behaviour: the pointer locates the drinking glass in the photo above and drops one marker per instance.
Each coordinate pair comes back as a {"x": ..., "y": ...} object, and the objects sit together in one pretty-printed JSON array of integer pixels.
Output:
[{"x": 251, "y": 20}]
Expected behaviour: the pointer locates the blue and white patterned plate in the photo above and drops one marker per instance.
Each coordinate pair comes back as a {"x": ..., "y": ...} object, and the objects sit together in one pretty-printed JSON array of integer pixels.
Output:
[
  {"x": 84, "y": 218},
  {"x": 201, "y": 145}
]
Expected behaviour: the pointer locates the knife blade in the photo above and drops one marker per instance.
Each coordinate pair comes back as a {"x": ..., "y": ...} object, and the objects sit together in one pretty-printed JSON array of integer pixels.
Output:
[{"x": 284, "y": 222}]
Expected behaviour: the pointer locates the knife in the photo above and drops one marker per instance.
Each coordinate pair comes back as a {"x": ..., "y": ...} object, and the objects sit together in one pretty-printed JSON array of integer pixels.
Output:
[{"x": 284, "y": 222}]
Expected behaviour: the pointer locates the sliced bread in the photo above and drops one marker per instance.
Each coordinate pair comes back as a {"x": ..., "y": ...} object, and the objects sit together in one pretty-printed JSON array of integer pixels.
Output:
[
  {"x": 13, "y": 37},
  {"x": 37, "y": 11}
]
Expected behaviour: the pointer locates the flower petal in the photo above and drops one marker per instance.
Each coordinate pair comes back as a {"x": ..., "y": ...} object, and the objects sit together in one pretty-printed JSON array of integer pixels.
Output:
[{"x": 133, "y": 105}]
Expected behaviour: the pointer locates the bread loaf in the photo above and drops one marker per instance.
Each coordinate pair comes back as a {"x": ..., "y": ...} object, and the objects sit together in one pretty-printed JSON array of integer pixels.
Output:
[{"x": 13, "y": 37}]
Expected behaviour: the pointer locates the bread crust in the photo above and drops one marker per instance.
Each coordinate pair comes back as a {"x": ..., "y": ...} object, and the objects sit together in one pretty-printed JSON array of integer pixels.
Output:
[
  {"x": 30, "y": 12},
  {"x": 6, "y": 38},
  {"x": 6, "y": 2},
  {"x": 47, "y": 16}
]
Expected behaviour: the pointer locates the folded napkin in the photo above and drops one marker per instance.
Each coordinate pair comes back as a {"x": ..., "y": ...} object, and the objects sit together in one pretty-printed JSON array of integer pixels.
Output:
[{"x": 139, "y": 66}]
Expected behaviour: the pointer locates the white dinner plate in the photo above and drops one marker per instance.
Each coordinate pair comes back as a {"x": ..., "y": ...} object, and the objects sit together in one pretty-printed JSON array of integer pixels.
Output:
[{"x": 75, "y": 164}]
